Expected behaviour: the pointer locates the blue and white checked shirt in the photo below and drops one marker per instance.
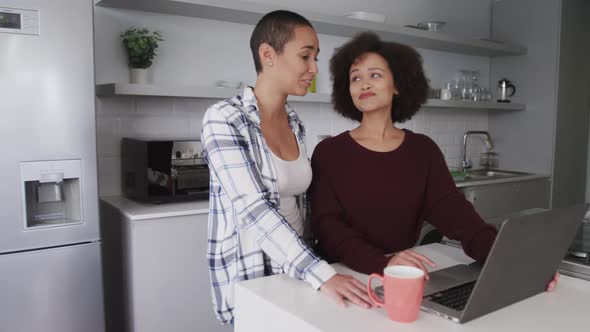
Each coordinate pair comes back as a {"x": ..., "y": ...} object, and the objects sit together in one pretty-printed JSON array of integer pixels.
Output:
[{"x": 248, "y": 237}]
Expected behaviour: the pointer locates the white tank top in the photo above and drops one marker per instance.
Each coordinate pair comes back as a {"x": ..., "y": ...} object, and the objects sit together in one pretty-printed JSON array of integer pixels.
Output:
[{"x": 293, "y": 178}]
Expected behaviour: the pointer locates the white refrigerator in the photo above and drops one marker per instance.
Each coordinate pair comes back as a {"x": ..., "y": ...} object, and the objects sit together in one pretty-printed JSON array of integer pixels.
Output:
[{"x": 50, "y": 263}]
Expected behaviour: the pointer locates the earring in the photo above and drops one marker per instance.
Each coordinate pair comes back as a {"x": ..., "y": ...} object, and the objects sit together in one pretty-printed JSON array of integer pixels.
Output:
[{"x": 270, "y": 63}]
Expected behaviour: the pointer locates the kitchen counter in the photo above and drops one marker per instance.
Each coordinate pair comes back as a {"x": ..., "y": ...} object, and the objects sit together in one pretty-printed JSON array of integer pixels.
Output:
[
  {"x": 134, "y": 210},
  {"x": 140, "y": 211},
  {"x": 462, "y": 184},
  {"x": 156, "y": 276},
  {"x": 280, "y": 303}
]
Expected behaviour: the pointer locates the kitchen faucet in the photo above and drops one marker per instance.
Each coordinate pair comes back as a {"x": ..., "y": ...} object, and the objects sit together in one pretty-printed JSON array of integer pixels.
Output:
[{"x": 466, "y": 164}]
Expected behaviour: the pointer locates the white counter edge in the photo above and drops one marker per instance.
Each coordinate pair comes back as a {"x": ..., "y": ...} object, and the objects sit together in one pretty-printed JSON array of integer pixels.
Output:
[
  {"x": 280, "y": 294},
  {"x": 134, "y": 210},
  {"x": 143, "y": 211},
  {"x": 462, "y": 184}
]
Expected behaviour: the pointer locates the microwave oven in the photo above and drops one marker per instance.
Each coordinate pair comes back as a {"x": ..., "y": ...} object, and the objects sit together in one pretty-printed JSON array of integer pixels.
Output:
[{"x": 159, "y": 171}]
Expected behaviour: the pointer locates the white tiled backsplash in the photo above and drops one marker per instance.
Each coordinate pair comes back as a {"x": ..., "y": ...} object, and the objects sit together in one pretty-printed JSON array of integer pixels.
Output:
[{"x": 155, "y": 117}]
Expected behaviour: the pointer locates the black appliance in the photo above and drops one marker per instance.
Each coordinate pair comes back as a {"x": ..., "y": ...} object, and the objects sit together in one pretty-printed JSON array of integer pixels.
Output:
[{"x": 159, "y": 171}]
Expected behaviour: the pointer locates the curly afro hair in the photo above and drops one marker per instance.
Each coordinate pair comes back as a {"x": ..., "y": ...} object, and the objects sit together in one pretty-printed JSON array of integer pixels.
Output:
[{"x": 405, "y": 64}]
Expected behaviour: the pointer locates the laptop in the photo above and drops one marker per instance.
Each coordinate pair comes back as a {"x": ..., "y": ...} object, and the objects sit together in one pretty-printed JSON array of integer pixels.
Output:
[{"x": 523, "y": 259}]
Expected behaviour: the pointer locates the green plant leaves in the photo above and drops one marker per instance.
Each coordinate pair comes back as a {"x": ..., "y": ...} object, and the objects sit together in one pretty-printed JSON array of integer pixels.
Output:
[{"x": 140, "y": 44}]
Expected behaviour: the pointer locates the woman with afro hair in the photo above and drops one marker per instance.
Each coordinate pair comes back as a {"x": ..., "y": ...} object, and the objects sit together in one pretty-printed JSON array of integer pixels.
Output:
[{"x": 374, "y": 186}]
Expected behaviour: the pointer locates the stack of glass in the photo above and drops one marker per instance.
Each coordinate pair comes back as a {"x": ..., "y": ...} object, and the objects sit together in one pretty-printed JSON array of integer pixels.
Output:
[{"x": 465, "y": 86}]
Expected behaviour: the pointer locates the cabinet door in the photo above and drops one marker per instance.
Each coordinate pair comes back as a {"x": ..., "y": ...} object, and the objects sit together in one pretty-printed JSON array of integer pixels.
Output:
[
  {"x": 496, "y": 200},
  {"x": 52, "y": 290},
  {"x": 170, "y": 278}
]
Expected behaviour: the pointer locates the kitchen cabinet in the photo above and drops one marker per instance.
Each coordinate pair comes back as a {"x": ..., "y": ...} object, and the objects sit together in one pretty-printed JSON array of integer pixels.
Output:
[
  {"x": 156, "y": 273},
  {"x": 494, "y": 200},
  {"x": 501, "y": 199}
]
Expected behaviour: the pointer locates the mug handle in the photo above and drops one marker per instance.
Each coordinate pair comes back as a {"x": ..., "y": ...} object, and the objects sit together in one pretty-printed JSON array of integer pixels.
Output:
[{"x": 372, "y": 294}]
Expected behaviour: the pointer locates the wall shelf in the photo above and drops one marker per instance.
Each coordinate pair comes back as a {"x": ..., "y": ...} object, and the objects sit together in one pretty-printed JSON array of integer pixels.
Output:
[
  {"x": 153, "y": 90},
  {"x": 185, "y": 91},
  {"x": 489, "y": 105},
  {"x": 236, "y": 11}
]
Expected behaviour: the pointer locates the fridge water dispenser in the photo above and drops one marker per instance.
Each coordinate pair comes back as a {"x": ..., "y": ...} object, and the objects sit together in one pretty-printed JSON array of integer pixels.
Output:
[{"x": 51, "y": 193}]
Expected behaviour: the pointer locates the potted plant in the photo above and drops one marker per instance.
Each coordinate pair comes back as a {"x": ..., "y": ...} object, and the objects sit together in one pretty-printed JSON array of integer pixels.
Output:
[{"x": 141, "y": 45}]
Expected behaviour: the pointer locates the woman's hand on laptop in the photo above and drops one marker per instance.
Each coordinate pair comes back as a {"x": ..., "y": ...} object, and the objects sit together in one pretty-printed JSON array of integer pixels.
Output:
[
  {"x": 343, "y": 287},
  {"x": 553, "y": 283},
  {"x": 411, "y": 258}
]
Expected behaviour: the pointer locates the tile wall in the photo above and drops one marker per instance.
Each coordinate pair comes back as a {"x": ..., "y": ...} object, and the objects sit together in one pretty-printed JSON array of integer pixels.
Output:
[{"x": 156, "y": 117}]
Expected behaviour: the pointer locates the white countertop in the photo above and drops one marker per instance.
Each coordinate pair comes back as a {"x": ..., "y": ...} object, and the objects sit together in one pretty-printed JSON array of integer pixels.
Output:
[
  {"x": 134, "y": 210},
  {"x": 140, "y": 211},
  {"x": 461, "y": 184},
  {"x": 280, "y": 303}
]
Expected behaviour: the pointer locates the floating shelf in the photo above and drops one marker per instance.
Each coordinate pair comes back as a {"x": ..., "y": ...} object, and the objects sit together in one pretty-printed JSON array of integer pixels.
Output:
[
  {"x": 250, "y": 13},
  {"x": 489, "y": 105},
  {"x": 184, "y": 91},
  {"x": 153, "y": 90}
]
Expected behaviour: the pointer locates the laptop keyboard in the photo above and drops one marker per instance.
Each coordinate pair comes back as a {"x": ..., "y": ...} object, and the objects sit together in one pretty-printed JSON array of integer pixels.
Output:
[{"x": 455, "y": 297}]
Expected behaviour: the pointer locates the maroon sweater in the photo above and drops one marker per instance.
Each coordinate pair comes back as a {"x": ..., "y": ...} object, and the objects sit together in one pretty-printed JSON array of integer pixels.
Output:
[{"x": 367, "y": 204}]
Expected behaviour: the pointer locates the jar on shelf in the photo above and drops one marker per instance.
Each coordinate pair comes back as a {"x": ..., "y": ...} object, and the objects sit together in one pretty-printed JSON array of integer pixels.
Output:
[{"x": 489, "y": 160}]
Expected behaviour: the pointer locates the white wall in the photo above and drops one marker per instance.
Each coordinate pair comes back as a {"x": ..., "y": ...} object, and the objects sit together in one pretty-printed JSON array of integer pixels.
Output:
[
  {"x": 200, "y": 52},
  {"x": 527, "y": 138},
  {"x": 551, "y": 135}
]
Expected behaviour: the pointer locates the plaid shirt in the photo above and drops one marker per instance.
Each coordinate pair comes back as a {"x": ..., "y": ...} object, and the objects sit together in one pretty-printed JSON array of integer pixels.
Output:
[{"x": 248, "y": 237}]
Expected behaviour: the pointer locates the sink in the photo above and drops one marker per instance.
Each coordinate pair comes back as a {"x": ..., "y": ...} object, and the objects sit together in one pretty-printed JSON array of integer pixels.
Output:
[{"x": 486, "y": 174}]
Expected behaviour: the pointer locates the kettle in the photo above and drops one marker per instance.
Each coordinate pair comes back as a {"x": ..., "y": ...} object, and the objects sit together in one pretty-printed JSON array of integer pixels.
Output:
[{"x": 503, "y": 86}]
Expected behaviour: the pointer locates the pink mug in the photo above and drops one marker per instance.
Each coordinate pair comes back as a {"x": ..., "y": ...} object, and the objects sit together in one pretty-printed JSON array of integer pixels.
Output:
[{"x": 403, "y": 288}]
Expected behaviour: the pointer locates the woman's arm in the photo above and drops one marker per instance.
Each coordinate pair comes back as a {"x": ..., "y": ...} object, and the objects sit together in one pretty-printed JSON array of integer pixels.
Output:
[
  {"x": 447, "y": 209},
  {"x": 336, "y": 239},
  {"x": 228, "y": 154}
]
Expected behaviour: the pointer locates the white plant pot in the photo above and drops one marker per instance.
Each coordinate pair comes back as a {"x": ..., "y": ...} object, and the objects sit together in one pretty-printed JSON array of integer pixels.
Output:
[{"x": 138, "y": 75}]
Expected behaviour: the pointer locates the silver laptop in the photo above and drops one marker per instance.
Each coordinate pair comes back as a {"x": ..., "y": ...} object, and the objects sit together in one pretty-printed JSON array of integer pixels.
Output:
[{"x": 525, "y": 256}]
